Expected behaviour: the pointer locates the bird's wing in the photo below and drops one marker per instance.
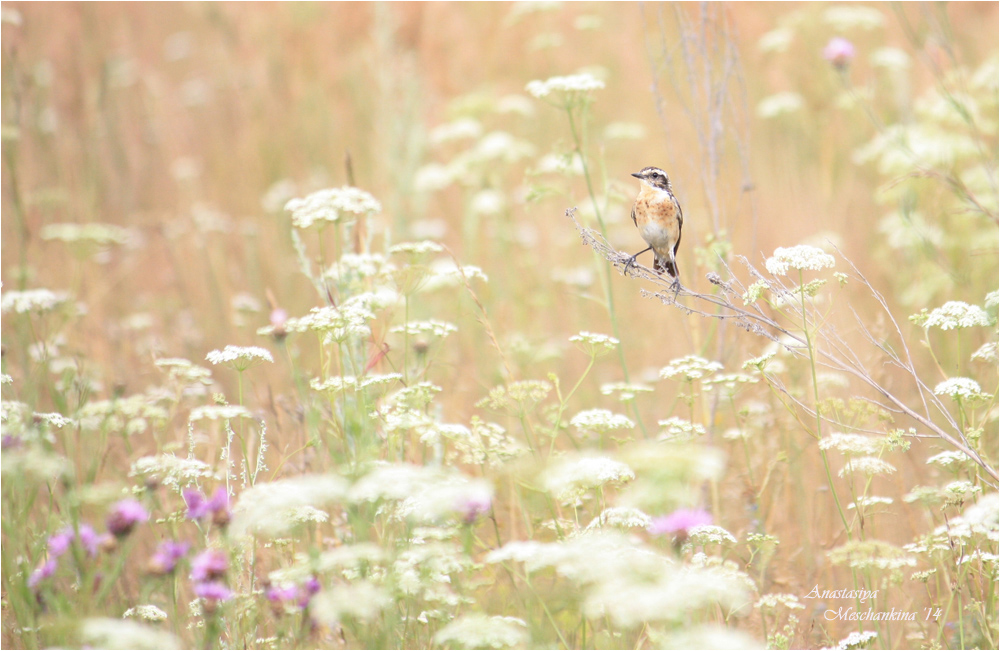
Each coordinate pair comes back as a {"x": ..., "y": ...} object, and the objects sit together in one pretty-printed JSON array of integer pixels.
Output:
[
  {"x": 680, "y": 223},
  {"x": 633, "y": 215}
]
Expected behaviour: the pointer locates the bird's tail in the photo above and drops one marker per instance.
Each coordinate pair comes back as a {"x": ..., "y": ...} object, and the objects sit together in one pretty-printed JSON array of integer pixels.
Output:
[{"x": 663, "y": 264}]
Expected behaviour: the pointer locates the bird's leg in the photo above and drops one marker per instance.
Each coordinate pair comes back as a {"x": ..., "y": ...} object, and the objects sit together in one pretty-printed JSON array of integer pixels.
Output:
[
  {"x": 631, "y": 261},
  {"x": 676, "y": 285}
]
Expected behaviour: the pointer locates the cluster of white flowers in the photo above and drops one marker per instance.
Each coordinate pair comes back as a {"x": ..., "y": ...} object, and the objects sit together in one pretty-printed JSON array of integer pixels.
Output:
[
  {"x": 361, "y": 600},
  {"x": 218, "y": 412},
  {"x": 516, "y": 395},
  {"x": 621, "y": 517},
  {"x": 798, "y": 257},
  {"x": 709, "y": 534},
  {"x": 339, "y": 324},
  {"x": 148, "y": 612},
  {"x": 679, "y": 429},
  {"x": 852, "y": 444},
  {"x": 130, "y": 415},
  {"x": 272, "y": 509},
  {"x": 185, "y": 371},
  {"x": 170, "y": 470},
  {"x": 986, "y": 353},
  {"x": 690, "y": 367},
  {"x": 961, "y": 388},
  {"x": 239, "y": 357},
  {"x": 730, "y": 382},
  {"x": 486, "y": 444},
  {"x": 593, "y": 343},
  {"x": 626, "y": 391},
  {"x": 570, "y": 478},
  {"x": 331, "y": 205},
  {"x": 354, "y": 267},
  {"x": 857, "y": 640},
  {"x": 867, "y": 466},
  {"x": 948, "y": 458},
  {"x": 431, "y": 328},
  {"x": 111, "y": 633},
  {"x": 871, "y": 554},
  {"x": 445, "y": 273},
  {"x": 771, "y": 602},
  {"x": 100, "y": 234},
  {"x": 32, "y": 300},
  {"x": 869, "y": 500},
  {"x": 343, "y": 383},
  {"x": 952, "y": 315},
  {"x": 424, "y": 247},
  {"x": 600, "y": 421},
  {"x": 581, "y": 83},
  {"x": 478, "y": 631}
]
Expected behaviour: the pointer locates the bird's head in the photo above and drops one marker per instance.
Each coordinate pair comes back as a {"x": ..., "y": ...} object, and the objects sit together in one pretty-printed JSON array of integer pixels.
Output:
[{"x": 654, "y": 177}]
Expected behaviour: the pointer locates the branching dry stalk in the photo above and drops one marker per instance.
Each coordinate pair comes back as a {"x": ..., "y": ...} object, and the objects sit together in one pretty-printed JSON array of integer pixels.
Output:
[{"x": 830, "y": 349}]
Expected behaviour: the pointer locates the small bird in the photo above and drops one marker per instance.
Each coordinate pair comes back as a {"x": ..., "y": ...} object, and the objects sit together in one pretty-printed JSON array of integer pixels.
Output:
[{"x": 659, "y": 218}]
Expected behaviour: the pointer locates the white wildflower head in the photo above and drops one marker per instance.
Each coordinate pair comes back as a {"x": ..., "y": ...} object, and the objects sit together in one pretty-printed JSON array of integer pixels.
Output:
[
  {"x": 240, "y": 357},
  {"x": 360, "y": 600},
  {"x": 780, "y": 104},
  {"x": 353, "y": 268},
  {"x": 97, "y": 234},
  {"x": 865, "y": 501},
  {"x": 871, "y": 554},
  {"x": 332, "y": 205},
  {"x": 679, "y": 429},
  {"x": 218, "y": 412},
  {"x": 431, "y": 328},
  {"x": 423, "y": 248},
  {"x": 798, "y": 257},
  {"x": 857, "y": 640},
  {"x": 32, "y": 300},
  {"x": 962, "y": 389},
  {"x": 949, "y": 459},
  {"x": 952, "y": 315},
  {"x": 445, "y": 273},
  {"x": 111, "y": 633},
  {"x": 482, "y": 443},
  {"x": 689, "y": 368},
  {"x": 170, "y": 470},
  {"x": 147, "y": 612},
  {"x": 594, "y": 344},
  {"x": 986, "y": 353},
  {"x": 856, "y": 445},
  {"x": 625, "y": 390},
  {"x": 730, "y": 383},
  {"x": 446, "y": 496},
  {"x": 771, "y": 602},
  {"x": 272, "y": 509},
  {"x": 516, "y": 396},
  {"x": 477, "y": 631},
  {"x": 621, "y": 517},
  {"x": 571, "y": 478},
  {"x": 867, "y": 466},
  {"x": 600, "y": 421},
  {"x": 582, "y": 83},
  {"x": 338, "y": 324},
  {"x": 709, "y": 534}
]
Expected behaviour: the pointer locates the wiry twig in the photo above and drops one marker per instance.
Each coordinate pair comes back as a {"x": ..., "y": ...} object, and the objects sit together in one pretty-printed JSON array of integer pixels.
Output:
[{"x": 830, "y": 349}]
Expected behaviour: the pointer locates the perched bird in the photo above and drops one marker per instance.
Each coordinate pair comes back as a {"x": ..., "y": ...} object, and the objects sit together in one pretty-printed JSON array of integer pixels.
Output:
[{"x": 659, "y": 218}]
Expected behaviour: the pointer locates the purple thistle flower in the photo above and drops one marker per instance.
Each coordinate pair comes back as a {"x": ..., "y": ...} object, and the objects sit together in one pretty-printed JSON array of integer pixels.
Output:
[
  {"x": 60, "y": 541},
  {"x": 208, "y": 565},
  {"x": 839, "y": 51},
  {"x": 280, "y": 594},
  {"x": 213, "y": 591},
  {"x": 42, "y": 572},
  {"x": 309, "y": 589},
  {"x": 470, "y": 509},
  {"x": 89, "y": 539},
  {"x": 124, "y": 516},
  {"x": 168, "y": 552},
  {"x": 197, "y": 505},
  {"x": 681, "y": 520},
  {"x": 219, "y": 507}
]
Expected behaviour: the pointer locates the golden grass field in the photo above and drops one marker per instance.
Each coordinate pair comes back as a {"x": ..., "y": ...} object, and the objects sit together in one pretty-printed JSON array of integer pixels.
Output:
[{"x": 187, "y": 127}]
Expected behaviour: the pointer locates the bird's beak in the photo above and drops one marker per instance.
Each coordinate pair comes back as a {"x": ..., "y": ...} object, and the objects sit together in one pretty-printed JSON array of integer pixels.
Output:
[{"x": 637, "y": 175}]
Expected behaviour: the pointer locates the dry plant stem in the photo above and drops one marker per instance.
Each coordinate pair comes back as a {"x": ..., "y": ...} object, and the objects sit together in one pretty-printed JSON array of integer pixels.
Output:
[{"x": 830, "y": 349}]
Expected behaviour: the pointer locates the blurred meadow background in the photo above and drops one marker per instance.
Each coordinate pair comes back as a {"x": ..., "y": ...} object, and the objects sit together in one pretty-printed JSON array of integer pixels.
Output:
[{"x": 300, "y": 348}]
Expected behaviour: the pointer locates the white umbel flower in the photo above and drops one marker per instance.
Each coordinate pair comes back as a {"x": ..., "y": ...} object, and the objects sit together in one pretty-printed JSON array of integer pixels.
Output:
[
  {"x": 240, "y": 357},
  {"x": 581, "y": 83},
  {"x": 952, "y": 315},
  {"x": 571, "y": 478},
  {"x": 600, "y": 421},
  {"x": 32, "y": 300},
  {"x": 960, "y": 388},
  {"x": 798, "y": 257},
  {"x": 332, "y": 205},
  {"x": 271, "y": 509},
  {"x": 482, "y": 632}
]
